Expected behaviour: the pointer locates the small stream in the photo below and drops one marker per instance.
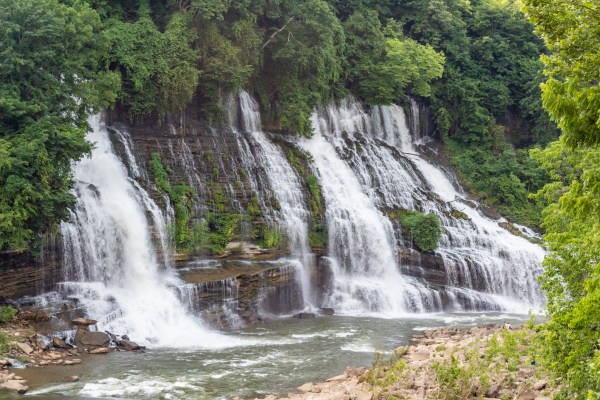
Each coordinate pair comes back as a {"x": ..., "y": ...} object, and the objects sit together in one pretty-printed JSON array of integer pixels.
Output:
[{"x": 274, "y": 357}]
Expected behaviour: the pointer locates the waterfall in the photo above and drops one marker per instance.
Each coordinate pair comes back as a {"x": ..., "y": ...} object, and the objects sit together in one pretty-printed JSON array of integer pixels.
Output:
[
  {"x": 368, "y": 161},
  {"x": 361, "y": 238},
  {"x": 286, "y": 187},
  {"x": 111, "y": 264}
]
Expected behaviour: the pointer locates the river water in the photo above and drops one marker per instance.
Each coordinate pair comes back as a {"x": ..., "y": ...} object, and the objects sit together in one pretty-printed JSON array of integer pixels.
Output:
[{"x": 274, "y": 357}]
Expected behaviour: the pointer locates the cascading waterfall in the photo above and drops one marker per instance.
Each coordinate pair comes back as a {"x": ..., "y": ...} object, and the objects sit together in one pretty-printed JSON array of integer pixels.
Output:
[
  {"x": 361, "y": 240},
  {"x": 368, "y": 162},
  {"x": 110, "y": 261},
  {"x": 288, "y": 191},
  {"x": 486, "y": 265}
]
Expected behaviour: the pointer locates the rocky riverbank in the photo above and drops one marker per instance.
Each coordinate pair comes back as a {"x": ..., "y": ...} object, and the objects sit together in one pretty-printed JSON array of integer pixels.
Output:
[
  {"x": 492, "y": 362},
  {"x": 21, "y": 345}
]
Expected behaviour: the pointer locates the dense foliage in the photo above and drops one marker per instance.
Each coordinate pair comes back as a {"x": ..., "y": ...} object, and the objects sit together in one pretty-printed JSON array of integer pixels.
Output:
[
  {"x": 7, "y": 313},
  {"x": 49, "y": 82},
  {"x": 570, "y": 340},
  {"x": 424, "y": 230},
  {"x": 475, "y": 63}
]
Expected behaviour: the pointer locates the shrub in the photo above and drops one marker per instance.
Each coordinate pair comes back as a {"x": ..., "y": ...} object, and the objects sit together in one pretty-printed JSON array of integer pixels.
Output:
[
  {"x": 7, "y": 313},
  {"x": 424, "y": 229},
  {"x": 4, "y": 343}
]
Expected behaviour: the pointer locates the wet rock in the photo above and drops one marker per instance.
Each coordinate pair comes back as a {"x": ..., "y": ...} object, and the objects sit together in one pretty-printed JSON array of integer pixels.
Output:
[
  {"x": 100, "y": 350},
  {"x": 95, "y": 339},
  {"x": 305, "y": 315},
  {"x": 5, "y": 363},
  {"x": 74, "y": 361},
  {"x": 25, "y": 348},
  {"x": 59, "y": 343},
  {"x": 128, "y": 345},
  {"x": 74, "y": 378},
  {"x": 16, "y": 386},
  {"x": 327, "y": 311},
  {"x": 84, "y": 322},
  {"x": 540, "y": 385}
]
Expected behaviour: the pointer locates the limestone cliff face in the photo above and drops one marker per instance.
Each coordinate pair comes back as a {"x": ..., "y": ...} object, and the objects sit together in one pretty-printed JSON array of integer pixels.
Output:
[{"x": 22, "y": 274}]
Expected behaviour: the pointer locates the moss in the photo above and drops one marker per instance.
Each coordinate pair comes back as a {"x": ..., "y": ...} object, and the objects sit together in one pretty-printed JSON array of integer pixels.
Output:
[
  {"x": 271, "y": 236},
  {"x": 253, "y": 207},
  {"x": 214, "y": 232},
  {"x": 459, "y": 215},
  {"x": 317, "y": 236},
  {"x": 161, "y": 179},
  {"x": 181, "y": 197},
  {"x": 300, "y": 161},
  {"x": 218, "y": 196}
]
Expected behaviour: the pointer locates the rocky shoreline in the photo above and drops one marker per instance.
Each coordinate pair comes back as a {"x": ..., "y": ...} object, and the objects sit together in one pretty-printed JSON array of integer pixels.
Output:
[
  {"x": 28, "y": 348},
  {"x": 491, "y": 362}
]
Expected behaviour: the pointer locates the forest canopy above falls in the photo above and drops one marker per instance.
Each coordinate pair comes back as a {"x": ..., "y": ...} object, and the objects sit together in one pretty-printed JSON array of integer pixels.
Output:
[{"x": 475, "y": 64}]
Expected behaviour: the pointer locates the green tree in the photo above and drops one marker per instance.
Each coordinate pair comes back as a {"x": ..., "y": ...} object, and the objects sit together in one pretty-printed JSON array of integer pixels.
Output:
[
  {"x": 158, "y": 70},
  {"x": 571, "y": 93},
  {"x": 49, "y": 83},
  {"x": 570, "y": 340},
  {"x": 302, "y": 61}
]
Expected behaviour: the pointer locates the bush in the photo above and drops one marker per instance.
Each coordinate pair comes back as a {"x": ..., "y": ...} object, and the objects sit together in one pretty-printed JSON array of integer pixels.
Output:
[
  {"x": 424, "y": 229},
  {"x": 4, "y": 343},
  {"x": 7, "y": 313}
]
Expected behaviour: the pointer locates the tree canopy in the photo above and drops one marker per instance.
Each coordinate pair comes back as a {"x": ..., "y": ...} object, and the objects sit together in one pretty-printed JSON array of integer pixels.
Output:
[
  {"x": 570, "y": 340},
  {"x": 49, "y": 83}
]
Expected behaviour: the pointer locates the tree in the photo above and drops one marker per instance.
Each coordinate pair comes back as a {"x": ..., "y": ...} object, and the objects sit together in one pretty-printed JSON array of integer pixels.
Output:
[
  {"x": 570, "y": 340},
  {"x": 49, "y": 83},
  {"x": 302, "y": 61},
  {"x": 571, "y": 93}
]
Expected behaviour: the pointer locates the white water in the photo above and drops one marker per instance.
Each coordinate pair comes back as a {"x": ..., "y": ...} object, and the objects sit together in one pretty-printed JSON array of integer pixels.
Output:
[
  {"x": 369, "y": 161},
  {"x": 111, "y": 262},
  {"x": 286, "y": 187},
  {"x": 361, "y": 240}
]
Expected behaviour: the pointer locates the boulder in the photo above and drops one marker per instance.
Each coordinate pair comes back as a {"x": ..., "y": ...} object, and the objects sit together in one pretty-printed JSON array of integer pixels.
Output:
[
  {"x": 74, "y": 378},
  {"x": 17, "y": 386},
  {"x": 5, "y": 363},
  {"x": 327, "y": 311},
  {"x": 25, "y": 348},
  {"x": 100, "y": 350},
  {"x": 307, "y": 387},
  {"x": 84, "y": 322},
  {"x": 128, "y": 345},
  {"x": 95, "y": 339},
  {"x": 59, "y": 343},
  {"x": 305, "y": 315},
  {"x": 74, "y": 361}
]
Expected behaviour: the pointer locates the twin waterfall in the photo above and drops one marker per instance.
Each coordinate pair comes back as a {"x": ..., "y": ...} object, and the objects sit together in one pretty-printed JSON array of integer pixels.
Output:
[{"x": 116, "y": 247}]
